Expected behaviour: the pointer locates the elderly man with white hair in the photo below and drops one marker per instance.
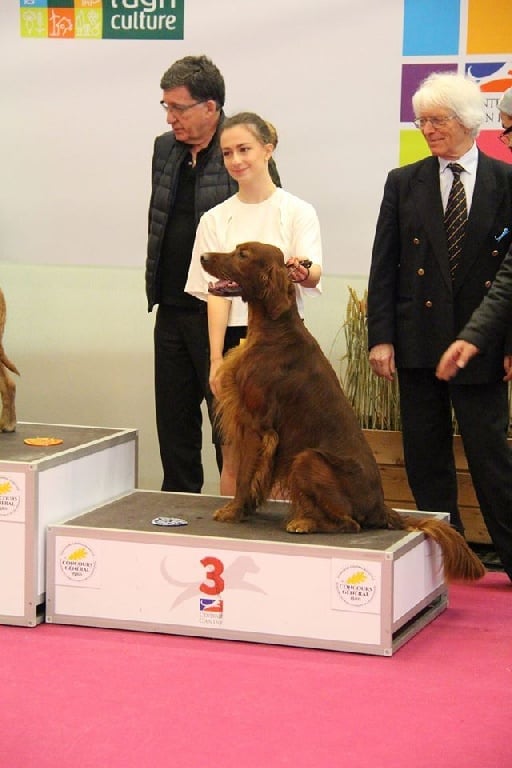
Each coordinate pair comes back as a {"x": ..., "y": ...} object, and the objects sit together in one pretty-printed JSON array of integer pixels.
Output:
[{"x": 444, "y": 228}]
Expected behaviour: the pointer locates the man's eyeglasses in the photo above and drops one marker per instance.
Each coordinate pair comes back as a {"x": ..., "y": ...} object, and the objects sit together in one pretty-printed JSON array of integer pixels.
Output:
[
  {"x": 435, "y": 122},
  {"x": 179, "y": 109},
  {"x": 505, "y": 137}
]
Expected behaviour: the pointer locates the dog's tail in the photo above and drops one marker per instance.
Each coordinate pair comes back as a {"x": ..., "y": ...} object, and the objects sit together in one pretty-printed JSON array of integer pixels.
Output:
[
  {"x": 4, "y": 360},
  {"x": 460, "y": 562}
]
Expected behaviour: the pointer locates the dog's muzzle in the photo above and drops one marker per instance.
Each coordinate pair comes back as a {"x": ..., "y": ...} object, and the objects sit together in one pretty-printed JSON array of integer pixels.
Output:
[{"x": 224, "y": 288}]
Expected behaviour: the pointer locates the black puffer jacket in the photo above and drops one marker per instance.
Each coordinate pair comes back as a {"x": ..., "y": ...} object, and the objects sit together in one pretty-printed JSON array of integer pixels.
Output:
[{"x": 213, "y": 186}]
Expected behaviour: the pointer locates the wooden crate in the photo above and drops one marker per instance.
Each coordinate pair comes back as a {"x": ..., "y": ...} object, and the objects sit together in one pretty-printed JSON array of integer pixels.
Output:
[{"x": 387, "y": 448}]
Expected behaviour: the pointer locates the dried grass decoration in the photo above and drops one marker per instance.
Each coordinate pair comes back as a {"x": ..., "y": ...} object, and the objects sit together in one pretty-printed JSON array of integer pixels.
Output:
[{"x": 374, "y": 400}]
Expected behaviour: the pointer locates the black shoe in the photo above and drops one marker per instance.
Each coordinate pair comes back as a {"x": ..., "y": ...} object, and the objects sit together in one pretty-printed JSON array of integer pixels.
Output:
[{"x": 487, "y": 554}]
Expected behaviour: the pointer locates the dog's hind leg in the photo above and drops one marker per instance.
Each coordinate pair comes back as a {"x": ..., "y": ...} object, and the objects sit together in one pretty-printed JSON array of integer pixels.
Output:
[
  {"x": 254, "y": 478},
  {"x": 8, "y": 394},
  {"x": 7, "y": 386},
  {"x": 317, "y": 501}
]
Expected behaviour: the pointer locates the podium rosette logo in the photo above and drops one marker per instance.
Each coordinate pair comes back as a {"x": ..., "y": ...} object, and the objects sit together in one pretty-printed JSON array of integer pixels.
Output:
[
  {"x": 77, "y": 562},
  {"x": 10, "y": 496},
  {"x": 355, "y": 585}
]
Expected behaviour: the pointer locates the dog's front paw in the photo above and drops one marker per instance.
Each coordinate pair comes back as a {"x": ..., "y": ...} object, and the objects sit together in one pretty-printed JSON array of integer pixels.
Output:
[
  {"x": 228, "y": 514},
  {"x": 322, "y": 525},
  {"x": 301, "y": 525}
]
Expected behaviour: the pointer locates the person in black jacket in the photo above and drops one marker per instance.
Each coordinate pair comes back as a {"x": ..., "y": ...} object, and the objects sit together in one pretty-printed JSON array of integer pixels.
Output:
[
  {"x": 417, "y": 305},
  {"x": 188, "y": 178},
  {"x": 491, "y": 319}
]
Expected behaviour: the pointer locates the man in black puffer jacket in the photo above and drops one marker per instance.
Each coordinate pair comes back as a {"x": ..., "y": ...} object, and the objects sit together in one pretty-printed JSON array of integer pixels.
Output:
[{"x": 188, "y": 178}]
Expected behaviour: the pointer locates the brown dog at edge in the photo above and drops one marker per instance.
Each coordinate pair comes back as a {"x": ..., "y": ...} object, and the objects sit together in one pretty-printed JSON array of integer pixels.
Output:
[
  {"x": 282, "y": 408},
  {"x": 7, "y": 385}
]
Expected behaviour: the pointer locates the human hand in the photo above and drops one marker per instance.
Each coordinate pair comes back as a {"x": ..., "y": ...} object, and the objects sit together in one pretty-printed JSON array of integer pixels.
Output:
[
  {"x": 382, "y": 361},
  {"x": 298, "y": 269},
  {"x": 507, "y": 365},
  {"x": 215, "y": 377},
  {"x": 457, "y": 356}
]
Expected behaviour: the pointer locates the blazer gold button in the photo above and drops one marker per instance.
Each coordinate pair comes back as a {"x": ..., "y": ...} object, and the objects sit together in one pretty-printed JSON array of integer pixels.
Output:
[
  {"x": 488, "y": 283},
  {"x": 495, "y": 253},
  {"x": 416, "y": 240},
  {"x": 428, "y": 304},
  {"x": 421, "y": 272}
]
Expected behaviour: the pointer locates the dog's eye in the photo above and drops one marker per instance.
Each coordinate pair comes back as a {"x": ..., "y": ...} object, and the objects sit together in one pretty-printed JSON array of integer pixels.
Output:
[{"x": 243, "y": 254}]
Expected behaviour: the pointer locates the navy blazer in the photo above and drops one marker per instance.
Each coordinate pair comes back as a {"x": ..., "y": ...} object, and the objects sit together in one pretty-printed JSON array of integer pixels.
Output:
[{"x": 412, "y": 302}]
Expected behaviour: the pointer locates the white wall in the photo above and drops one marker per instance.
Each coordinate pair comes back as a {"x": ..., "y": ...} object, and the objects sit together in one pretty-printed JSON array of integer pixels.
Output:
[{"x": 79, "y": 118}]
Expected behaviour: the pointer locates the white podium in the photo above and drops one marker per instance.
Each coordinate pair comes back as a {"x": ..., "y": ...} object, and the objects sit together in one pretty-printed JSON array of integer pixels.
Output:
[
  {"x": 40, "y": 485},
  {"x": 367, "y": 592}
]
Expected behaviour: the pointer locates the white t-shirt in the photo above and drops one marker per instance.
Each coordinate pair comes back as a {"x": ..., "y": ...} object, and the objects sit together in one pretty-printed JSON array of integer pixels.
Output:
[{"x": 282, "y": 220}]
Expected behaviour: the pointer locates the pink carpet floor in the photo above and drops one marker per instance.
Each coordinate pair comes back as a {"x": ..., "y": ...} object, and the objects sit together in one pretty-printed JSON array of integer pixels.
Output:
[{"x": 75, "y": 697}]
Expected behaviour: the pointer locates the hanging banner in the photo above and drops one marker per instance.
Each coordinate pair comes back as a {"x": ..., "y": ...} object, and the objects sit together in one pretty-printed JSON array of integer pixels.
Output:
[
  {"x": 471, "y": 37},
  {"x": 102, "y": 19}
]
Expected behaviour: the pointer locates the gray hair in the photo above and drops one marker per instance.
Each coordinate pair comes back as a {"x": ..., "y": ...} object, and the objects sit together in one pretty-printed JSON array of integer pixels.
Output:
[
  {"x": 454, "y": 92},
  {"x": 200, "y": 75},
  {"x": 505, "y": 103}
]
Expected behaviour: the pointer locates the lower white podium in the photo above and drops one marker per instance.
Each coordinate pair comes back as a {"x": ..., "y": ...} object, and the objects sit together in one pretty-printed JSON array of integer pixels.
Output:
[
  {"x": 366, "y": 593},
  {"x": 42, "y": 484}
]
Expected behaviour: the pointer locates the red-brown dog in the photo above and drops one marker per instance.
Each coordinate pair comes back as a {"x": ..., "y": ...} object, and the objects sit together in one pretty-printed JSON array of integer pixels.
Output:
[{"x": 282, "y": 408}]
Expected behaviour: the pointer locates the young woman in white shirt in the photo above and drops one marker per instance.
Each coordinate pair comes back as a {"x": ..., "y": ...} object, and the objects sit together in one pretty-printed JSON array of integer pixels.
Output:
[{"x": 259, "y": 211}]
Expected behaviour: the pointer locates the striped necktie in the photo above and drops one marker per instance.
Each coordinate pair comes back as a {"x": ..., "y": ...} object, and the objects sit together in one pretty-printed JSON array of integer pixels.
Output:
[{"x": 455, "y": 218}]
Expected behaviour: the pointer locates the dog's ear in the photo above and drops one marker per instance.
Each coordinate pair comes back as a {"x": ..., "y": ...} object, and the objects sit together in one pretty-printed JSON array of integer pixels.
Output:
[{"x": 278, "y": 292}]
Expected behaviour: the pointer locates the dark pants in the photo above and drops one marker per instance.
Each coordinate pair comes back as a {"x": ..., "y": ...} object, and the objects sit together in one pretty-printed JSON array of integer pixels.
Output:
[
  {"x": 482, "y": 416},
  {"x": 181, "y": 385}
]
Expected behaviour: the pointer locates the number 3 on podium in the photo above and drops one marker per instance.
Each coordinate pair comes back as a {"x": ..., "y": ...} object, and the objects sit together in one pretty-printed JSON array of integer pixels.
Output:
[{"x": 214, "y": 570}]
